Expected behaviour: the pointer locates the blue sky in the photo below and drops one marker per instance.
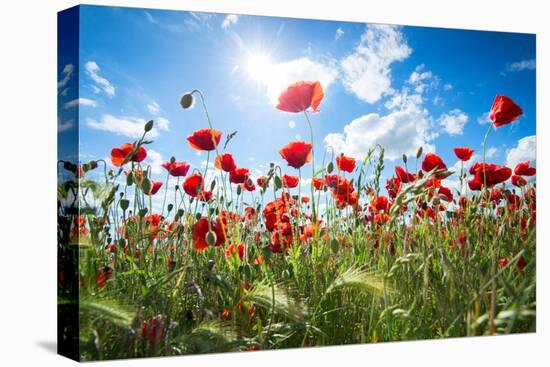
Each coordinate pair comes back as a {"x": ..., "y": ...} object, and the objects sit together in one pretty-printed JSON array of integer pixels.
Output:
[{"x": 402, "y": 87}]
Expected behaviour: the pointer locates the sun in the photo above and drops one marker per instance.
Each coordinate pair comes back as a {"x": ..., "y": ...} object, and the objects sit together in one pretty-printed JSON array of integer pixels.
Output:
[{"x": 259, "y": 67}]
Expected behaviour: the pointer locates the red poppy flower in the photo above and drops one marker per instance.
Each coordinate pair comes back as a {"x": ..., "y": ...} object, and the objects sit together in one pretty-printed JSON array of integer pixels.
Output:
[
  {"x": 239, "y": 175},
  {"x": 297, "y": 153},
  {"x": 176, "y": 169},
  {"x": 118, "y": 155},
  {"x": 432, "y": 161},
  {"x": 445, "y": 193},
  {"x": 204, "y": 139},
  {"x": 464, "y": 154},
  {"x": 504, "y": 111},
  {"x": 319, "y": 183},
  {"x": 393, "y": 186},
  {"x": 201, "y": 229},
  {"x": 262, "y": 181},
  {"x": 339, "y": 184},
  {"x": 381, "y": 203},
  {"x": 300, "y": 96},
  {"x": 225, "y": 162},
  {"x": 153, "y": 329},
  {"x": 346, "y": 164},
  {"x": 490, "y": 174},
  {"x": 205, "y": 196},
  {"x": 518, "y": 181},
  {"x": 155, "y": 186},
  {"x": 248, "y": 185},
  {"x": 290, "y": 181},
  {"x": 193, "y": 184},
  {"x": 403, "y": 175},
  {"x": 523, "y": 169}
]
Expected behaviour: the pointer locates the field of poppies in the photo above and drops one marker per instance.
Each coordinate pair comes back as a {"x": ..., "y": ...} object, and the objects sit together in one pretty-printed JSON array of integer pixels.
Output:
[{"x": 232, "y": 262}]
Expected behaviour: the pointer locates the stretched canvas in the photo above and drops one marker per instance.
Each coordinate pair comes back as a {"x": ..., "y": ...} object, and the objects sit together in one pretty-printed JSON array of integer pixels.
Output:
[{"x": 235, "y": 183}]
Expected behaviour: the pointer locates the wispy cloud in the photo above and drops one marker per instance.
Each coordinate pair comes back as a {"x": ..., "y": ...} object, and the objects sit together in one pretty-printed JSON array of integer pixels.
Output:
[
  {"x": 153, "y": 107},
  {"x": 64, "y": 125},
  {"x": 130, "y": 127},
  {"x": 67, "y": 72},
  {"x": 80, "y": 102},
  {"x": 522, "y": 65},
  {"x": 229, "y": 20},
  {"x": 92, "y": 69},
  {"x": 367, "y": 72},
  {"x": 339, "y": 33}
]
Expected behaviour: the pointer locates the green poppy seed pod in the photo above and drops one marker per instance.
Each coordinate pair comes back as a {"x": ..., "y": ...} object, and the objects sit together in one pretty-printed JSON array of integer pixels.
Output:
[
  {"x": 436, "y": 201},
  {"x": 146, "y": 185},
  {"x": 249, "y": 182},
  {"x": 198, "y": 216},
  {"x": 124, "y": 204},
  {"x": 172, "y": 160},
  {"x": 210, "y": 238},
  {"x": 330, "y": 167},
  {"x": 404, "y": 158},
  {"x": 170, "y": 207},
  {"x": 149, "y": 126},
  {"x": 142, "y": 212},
  {"x": 239, "y": 190},
  {"x": 187, "y": 101},
  {"x": 419, "y": 152},
  {"x": 212, "y": 185}
]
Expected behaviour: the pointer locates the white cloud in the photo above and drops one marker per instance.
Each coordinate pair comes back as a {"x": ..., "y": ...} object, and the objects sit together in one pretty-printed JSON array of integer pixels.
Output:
[
  {"x": 154, "y": 159},
  {"x": 292, "y": 124},
  {"x": 526, "y": 150},
  {"x": 453, "y": 121},
  {"x": 400, "y": 131},
  {"x": 367, "y": 71},
  {"x": 229, "y": 20},
  {"x": 64, "y": 125},
  {"x": 339, "y": 33},
  {"x": 483, "y": 118},
  {"x": 162, "y": 123},
  {"x": 522, "y": 65},
  {"x": 491, "y": 152},
  {"x": 92, "y": 69},
  {"x": 81, "y": 102},
  {"x": 448, "y": 87},
  {"x": 131, "y": 127},
  {"x": 67, "y": 72},
  {"x": 283, "y": 74},
  {"x": 153, "y": 107}
]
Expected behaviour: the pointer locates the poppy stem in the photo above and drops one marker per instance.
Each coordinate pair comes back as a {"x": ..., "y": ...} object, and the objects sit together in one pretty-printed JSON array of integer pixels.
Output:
[
  {"x": 312, "y": 167},
  {"x": 165, "y": 192}
]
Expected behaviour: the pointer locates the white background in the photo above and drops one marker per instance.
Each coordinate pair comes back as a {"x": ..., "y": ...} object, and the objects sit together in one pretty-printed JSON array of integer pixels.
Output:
[{"x": 28, "y": 181}]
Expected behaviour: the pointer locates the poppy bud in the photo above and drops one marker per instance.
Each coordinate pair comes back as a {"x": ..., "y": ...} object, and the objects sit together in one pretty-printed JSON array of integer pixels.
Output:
[
  {"x": 198, "y": 216},
  {"x": 172, "y": 160},
  {"x": 142, "y": 212},
  {"x": 149, "y": 125},
  {"x": 330, "y": 167},
  {"x": 404, "y": 158},
  {"x": 93, "y": 164},
  {"x": 170, "y": 207},
  {"x": 146, "y": 185},
  {"x": 334, "y": 245},
  {"x": 211, "y": 238},
  {"x": 278, "y": 183},
  {"x": 419, "y": 153},
  {"x": 187, "y": 101},
  {"x": 239, "y": 190},
  {"x": 130, "y": 179},
  {"x": 212, "y": 185}
]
